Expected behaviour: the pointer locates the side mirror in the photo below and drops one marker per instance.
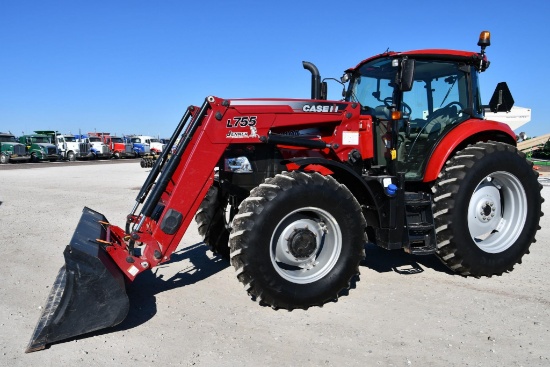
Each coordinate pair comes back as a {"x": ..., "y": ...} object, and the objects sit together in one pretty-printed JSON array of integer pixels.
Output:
[
  {"x": 324, "y": 91},
  {"x": 407, "y": 75},
  {"x": 502, "y": 100}
]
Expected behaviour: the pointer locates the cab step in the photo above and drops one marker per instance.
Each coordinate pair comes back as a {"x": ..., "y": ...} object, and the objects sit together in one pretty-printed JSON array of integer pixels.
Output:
[{"x": 420, "y": 224}]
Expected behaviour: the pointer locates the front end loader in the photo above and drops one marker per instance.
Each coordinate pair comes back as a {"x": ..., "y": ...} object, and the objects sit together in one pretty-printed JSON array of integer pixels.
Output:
[{"x": 290, "y": 190}]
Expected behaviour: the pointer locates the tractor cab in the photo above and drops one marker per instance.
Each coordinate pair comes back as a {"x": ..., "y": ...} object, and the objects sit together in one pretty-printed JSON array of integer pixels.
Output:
[{"x": 415, "y": 98}]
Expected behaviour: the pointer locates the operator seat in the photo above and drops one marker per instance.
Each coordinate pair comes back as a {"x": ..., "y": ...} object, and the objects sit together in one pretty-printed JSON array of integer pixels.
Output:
[
  {"x": 440, "y": 118},
  {"x": 436, "y": 123}
]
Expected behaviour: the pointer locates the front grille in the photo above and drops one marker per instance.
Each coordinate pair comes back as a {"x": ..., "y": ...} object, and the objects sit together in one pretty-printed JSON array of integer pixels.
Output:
[
  {"x": 52, "y": 150},
  {"x": 84, "y": 147},
  {"x": 128, "y": 148},
  {"x": 104, "y": 149},
  {"x": 19, "y": 149}
]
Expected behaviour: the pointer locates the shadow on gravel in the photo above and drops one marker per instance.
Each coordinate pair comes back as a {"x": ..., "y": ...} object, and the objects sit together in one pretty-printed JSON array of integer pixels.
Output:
[
  {"x": 147, "y": 285},
  {"x": 143, "y": 290},
  {"x": 398, "y": 261}
]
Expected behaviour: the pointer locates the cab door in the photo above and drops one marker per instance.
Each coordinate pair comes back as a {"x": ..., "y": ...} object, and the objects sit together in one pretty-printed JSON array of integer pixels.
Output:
[{"x": 435, "y": 104}]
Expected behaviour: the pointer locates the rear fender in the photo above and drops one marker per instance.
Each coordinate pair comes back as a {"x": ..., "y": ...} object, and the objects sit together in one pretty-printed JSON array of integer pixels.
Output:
[{"x": 468, "y": 132}]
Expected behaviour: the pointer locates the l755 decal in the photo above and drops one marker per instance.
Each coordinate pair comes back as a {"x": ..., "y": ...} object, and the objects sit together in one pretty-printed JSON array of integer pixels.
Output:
[{"x": 241, "y": 121}]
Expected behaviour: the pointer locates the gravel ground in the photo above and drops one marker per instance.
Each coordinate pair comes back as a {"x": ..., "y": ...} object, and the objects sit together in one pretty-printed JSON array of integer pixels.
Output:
[{"x": 405, "y": 311}]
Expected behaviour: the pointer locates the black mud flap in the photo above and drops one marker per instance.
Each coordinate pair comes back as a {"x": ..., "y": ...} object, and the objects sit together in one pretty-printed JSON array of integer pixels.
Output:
[{"x": 88, "y": 293}]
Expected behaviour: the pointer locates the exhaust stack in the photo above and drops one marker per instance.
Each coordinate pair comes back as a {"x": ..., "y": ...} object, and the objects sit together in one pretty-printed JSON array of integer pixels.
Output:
[{"x": 315, "y": 79}]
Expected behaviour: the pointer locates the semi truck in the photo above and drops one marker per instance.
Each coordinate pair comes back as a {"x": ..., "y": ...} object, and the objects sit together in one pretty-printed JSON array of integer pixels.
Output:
[
  {"x": 140, "y": 144},
  {"x": 40, "y": 147},
  {"x": 120, "y": 147},
  {"x": 11, "y": 150},
  {"x": 98, "y": 149},
  {"x": 68, "y": 146}
]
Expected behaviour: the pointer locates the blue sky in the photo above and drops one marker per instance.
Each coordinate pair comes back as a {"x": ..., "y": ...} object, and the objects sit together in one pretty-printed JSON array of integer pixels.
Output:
[{"x": 134, "y": 66}]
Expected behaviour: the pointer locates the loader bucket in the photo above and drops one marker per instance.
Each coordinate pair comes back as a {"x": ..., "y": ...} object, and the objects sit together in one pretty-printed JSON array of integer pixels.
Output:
[{"x": 88, "y": 293}]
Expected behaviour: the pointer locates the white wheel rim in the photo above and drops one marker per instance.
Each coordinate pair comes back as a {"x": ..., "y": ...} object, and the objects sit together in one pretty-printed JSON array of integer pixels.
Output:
[
  {"x": 497, "y": 212},
  {"x": 315, "y": 264}
]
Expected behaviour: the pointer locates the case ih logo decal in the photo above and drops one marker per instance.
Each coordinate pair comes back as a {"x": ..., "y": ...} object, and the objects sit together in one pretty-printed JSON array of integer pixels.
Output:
[{"x": 320, "y": 108}]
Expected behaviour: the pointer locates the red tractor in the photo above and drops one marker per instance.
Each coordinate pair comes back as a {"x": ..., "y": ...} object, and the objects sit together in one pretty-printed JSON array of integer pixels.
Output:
[{"x": 292, "y": 189}]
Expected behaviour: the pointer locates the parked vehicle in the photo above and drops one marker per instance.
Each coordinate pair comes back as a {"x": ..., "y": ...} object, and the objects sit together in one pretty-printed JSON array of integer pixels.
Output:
[
  {"x": 120, "y": 147},
  {"x": 40, "y": 147},
  {"x": 98, "y": 148},
  {"x": 68, "y": 146},
  {"x": 406, "y": 160},
  {"x": 155, "y": 144},
  {"x": 140, "y": 144},
  {"x": 11, "y": 150}
]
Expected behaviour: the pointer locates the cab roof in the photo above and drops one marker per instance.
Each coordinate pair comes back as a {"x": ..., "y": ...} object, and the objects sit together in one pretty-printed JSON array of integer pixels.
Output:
[{"x": 436, "y": 54}]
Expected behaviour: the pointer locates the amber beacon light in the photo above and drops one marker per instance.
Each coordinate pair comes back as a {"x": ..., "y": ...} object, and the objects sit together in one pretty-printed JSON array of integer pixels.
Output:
[{"x": 484, "y": 39}]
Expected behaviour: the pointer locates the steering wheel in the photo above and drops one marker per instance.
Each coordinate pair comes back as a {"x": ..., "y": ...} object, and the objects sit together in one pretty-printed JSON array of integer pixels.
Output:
[
  {"x": 388, "y": 102},
  {"x": 448, "y": 105}
]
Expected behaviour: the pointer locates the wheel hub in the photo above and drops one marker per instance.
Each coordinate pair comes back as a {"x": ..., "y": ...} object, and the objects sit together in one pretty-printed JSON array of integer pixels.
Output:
[
  {"x": 487, "y": 210},
  {"x": 299, "y": 242},
  {"x": 302, "y": 243}
]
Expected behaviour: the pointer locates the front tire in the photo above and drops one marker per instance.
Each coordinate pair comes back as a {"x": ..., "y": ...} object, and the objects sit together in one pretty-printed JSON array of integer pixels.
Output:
[
  {"x": 4, "y": 159},
  {"x": 211, "y": 224},
  {"x": 487, "y": 209},
  {"x": 297, "y": 240}
]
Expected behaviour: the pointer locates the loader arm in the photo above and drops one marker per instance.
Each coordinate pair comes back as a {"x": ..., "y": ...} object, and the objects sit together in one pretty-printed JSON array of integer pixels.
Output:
[
  {"x": 151, "y": 236},
  {"x": 176, "y": 186}
]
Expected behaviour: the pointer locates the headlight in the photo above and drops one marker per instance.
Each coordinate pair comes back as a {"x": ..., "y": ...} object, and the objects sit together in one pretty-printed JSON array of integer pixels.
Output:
[{"x": 238, "y": 165}]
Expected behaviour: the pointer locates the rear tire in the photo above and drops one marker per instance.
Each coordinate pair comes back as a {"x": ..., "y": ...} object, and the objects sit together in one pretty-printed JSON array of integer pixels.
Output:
[
  {"x": 297, "y": 240},
  {"x": 210, "y": 219},
  {"x": 487, "y": 209}
]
